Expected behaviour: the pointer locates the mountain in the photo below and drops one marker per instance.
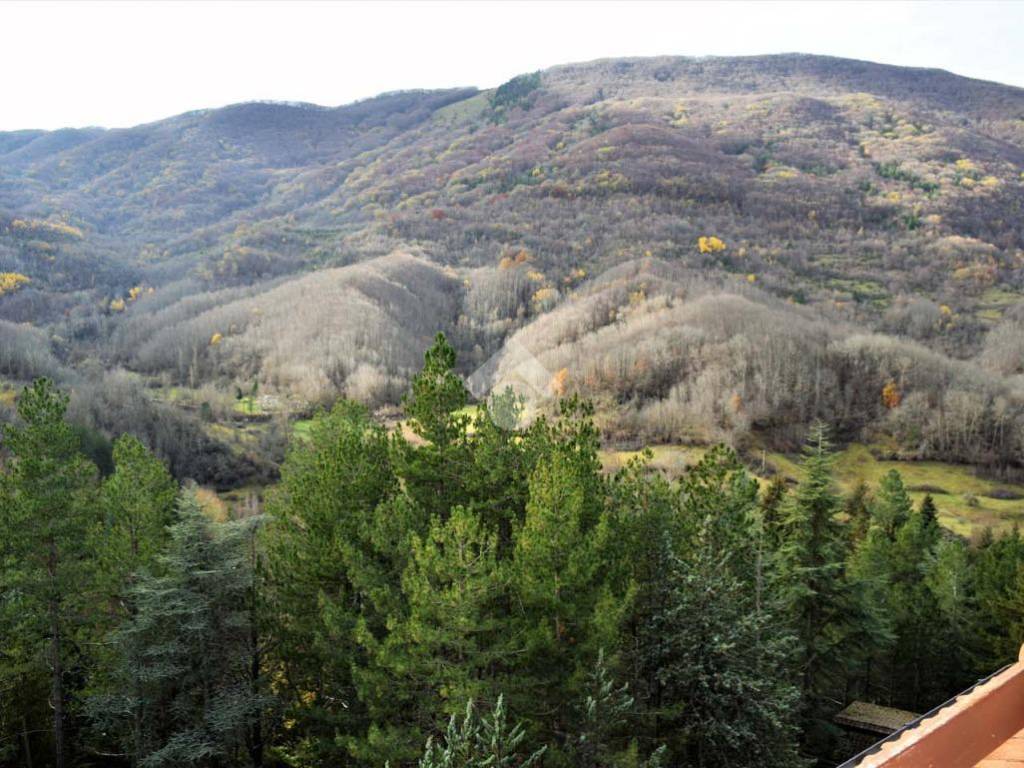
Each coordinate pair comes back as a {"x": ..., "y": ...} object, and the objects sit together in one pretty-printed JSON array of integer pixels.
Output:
[{"x": 861, "y": 222}]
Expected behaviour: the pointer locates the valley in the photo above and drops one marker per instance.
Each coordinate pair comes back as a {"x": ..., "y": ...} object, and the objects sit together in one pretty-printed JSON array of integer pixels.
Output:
[{"x": 635, "y": 412}]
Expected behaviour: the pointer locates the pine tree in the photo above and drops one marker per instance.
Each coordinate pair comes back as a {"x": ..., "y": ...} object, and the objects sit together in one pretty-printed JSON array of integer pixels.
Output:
[
  {"x": 138, "y": 505},
  {"x": 997, "y": 564},
  {"x": 448, "y": 646},
  {"x": 719, "y": 499},
  {"x": 728, "y": 697},
  {"x": 871, "y": 570},
  {"x": 605, "y": 710},
  {"x": 915, "y": 611},
  {"x": 503, "y": 457},
  {"x": 336, "y": 543},
  {"x": 892, "y": 506},
  {"x": 604, "y": 715},
  {"x": 948, "y": 577},
  {"x": 47, "y": 509},
  {"x": 561, "y": 577},
  {"x": 899, "y": 613},
  {"x": 651, "y": 531},
  {"x": 821, "y": 604},
  {"x": 186, "y": 683},
  {"x": 772, "y": 508},
  {"x": 435, "y": 473},
  {"x": 857, "y": 507},
  {"x": 929, "y": 512},
  {"x": 480, "y": 742}
]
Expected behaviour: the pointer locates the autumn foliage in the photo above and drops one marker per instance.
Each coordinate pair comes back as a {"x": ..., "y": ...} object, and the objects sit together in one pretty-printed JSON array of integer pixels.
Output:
[
  {"x": 11, "y": 281},
  {"x": 891, "y": 395},
  {"x": 710, "y": 244}
]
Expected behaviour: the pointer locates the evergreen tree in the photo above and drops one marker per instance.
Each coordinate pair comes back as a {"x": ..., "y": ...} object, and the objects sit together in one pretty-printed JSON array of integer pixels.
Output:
[
  {"x": 561, "y": 577},
  {"x": 606, "y": 707},
  {"x": 336, "y": 543},
  {"x": 948, "y": 577},
  {"x": 504, "y": 454},
  {"x": 448, "y": 646},
  {"x": 187, "y": 693},
  {"x": 137, "y": 501},
  {"x": 719, "y": 502},
  {"x": 710, "y": 590},
  {"x": 929, "y": 512},
  {"x": 728, "y": 697},
  {"x": 602, "y": 740},
  {"x": 480, "y": 742},
  {"x": 772, "y": 510},
  {"x": 997, "y": 564},
  {"x": 870, "y": 569},
  {"x": 436, "y": 472},
  {"x": 821, "y": 604},
  {"x": 899, "y": 613},
  {"x": 915, "y": 611},
  {"x": 857, "y": 507},
  {"x": 652, "y": 530},
  {"x": 47, "y": 509},
  {"x": 892, "y": 505}
]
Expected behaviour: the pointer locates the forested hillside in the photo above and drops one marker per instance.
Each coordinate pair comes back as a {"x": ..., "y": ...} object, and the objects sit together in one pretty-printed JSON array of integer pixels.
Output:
[
  {"x": 478, "y": 593},
  {"x": 722, "y": 248}
]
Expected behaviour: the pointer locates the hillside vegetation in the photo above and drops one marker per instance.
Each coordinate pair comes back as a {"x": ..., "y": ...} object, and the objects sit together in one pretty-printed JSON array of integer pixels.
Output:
[
  {"x": 722, "y": 248},
  {"x": 480, "y": 589},
  {"x": 479, "y": 570}
]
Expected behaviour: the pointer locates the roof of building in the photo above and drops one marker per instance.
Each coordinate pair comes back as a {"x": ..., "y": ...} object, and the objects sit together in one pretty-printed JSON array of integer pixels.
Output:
[
  {"x": 983, "y": 727},
  {"x": 1009, "y": 754},
  {"x": 874, "y": 717}
]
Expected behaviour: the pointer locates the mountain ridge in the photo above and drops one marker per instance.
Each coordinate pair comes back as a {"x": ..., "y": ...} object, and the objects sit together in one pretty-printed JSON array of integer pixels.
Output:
[{"x": 794, "y": 57}]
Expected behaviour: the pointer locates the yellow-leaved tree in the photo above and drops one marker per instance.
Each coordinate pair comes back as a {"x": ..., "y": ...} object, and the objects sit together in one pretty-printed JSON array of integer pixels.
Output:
[
  {"x": 710, "y": 244},
  {"x": 12, "y": 281}
]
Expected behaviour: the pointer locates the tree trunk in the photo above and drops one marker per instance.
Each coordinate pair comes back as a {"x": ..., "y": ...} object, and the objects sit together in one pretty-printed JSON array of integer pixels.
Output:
[
  {"x": 256, "y": 737},
  {"x": 57, "y": 671},
  {"x": 25, "y": 742},
  {"x": 57, "y": 687},
  {"x": 256, "y": 731}
]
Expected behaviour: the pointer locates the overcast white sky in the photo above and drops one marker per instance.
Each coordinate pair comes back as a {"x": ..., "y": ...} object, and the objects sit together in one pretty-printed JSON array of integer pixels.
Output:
[{"x": 122, "y": 63}]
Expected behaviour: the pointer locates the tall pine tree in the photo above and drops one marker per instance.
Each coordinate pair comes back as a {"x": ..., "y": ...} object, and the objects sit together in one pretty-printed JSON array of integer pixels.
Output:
[
  {"x": 47, "y": 510},
  {"x": 186, "y": 694},
  {"x": 820, "y": 601},
  {"x": 336, "y": 544}
]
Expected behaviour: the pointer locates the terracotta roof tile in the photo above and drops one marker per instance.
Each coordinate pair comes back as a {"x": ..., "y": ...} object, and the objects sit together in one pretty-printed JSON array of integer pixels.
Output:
[
  {"x": 1007, "y": 755},
  {"x": 981, "y": 728}
]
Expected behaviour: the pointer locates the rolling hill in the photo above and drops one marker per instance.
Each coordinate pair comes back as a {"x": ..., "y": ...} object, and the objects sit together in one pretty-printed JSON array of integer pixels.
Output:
[{"x": 710, "y": 248}]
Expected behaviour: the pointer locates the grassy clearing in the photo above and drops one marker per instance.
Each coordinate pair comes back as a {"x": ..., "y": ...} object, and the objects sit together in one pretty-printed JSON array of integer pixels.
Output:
[
  {"x": 463, "y": 111},
  {"x": 249, "y": 405},
  {"x": 8, "y": 395},
  {"x": 301, "y": 428},
  {"x": 959, "y": 493},
  {"x": 993, "y": 302},
  {"x": 961, "y": 496},
  {"x": 673, "y": 460},
  {"x": 999, "y": 296}
]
